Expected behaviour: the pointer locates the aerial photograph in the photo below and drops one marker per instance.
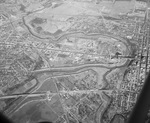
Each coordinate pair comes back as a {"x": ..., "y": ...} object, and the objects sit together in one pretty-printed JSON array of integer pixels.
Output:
[{"x": 73, "y": 61}]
